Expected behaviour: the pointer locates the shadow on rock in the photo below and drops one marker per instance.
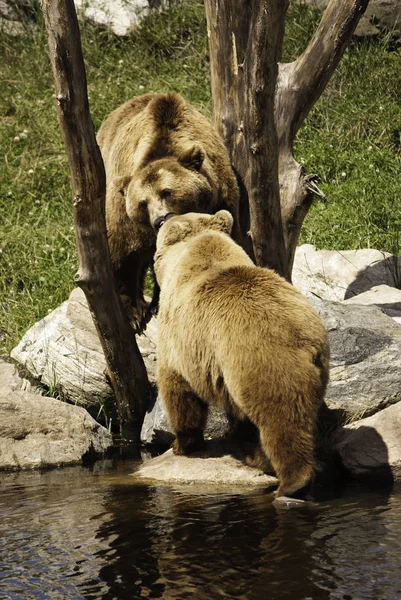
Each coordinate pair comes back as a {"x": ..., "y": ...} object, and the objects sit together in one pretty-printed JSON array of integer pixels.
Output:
[{"x": 386, "y": 271}]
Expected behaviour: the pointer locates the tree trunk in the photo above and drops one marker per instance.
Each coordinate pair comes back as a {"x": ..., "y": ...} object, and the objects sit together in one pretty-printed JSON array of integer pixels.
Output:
[
  {"x": 259, "y": 105},
  {"x": 125, "y": 364}
]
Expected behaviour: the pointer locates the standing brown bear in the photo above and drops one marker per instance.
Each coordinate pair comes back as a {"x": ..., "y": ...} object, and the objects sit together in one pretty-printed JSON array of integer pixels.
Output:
[
  {"x": 240, "y": 337},
  {"x": 161, "y": 156}
]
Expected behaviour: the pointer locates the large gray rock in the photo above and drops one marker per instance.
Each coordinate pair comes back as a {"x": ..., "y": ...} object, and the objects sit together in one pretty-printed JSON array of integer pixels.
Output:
[
  {"x": 214, "y": 466},
  {"x": 16, "y": 15},
  {"x": 38, "y": 432},
  {"x": 63, "y": 351},
  {"x": 371, "y": 447},
  {"x": 379, "y": 15},
  {"x": 388, "y": 299},
  {"x": 365, "y": 363},
  {"x": 335, "y": 275},
  {"x": 12, "y": 380},
  {"x": 121, "y": 16}
]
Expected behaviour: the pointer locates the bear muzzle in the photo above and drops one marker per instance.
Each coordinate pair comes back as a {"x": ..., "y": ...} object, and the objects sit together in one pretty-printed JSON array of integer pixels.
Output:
[{"x": 157, "y": 223}]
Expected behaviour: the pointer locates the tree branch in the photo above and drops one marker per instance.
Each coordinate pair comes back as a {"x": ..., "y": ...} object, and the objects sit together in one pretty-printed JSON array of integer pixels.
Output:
[
  {"x": 126, "y": 368},
  {"x": 303, "y": 81}
]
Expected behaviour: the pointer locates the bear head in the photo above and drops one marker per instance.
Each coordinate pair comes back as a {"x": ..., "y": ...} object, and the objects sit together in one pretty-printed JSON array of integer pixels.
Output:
[
  {"x": 181, "y": 228},
  {"x": 168, "y": 185}
]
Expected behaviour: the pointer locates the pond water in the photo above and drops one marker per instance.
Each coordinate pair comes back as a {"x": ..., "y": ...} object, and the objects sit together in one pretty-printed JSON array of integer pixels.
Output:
[{"x": 91, "y": 532}]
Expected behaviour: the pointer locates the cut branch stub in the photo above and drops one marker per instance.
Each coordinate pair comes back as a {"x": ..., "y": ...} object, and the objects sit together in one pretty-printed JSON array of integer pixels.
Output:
[{"x": 125, "y": 364}]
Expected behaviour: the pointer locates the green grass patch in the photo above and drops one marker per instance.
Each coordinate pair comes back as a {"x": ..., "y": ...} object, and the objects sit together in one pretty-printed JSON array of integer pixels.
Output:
[{"x": 351, "y": 140}]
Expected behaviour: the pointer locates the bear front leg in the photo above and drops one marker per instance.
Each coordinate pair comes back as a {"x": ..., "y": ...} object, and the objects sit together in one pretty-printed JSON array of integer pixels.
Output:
[
  {"x": 187, "y": 413},
  {"x": 130, "y": 279}
]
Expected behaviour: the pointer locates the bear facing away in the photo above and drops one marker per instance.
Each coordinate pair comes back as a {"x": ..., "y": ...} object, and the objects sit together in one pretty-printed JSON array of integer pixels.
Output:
[
  {"x": 161, "y": 156},
  {"x": 241, "y": 337}
]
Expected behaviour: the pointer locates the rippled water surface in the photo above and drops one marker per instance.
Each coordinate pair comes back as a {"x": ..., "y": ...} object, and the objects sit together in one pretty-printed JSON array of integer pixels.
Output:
[{"x": 93, "y": 533}]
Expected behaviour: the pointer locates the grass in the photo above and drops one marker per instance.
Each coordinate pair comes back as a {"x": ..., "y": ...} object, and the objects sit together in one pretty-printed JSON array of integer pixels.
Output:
[{"x": 351, "y": 140}]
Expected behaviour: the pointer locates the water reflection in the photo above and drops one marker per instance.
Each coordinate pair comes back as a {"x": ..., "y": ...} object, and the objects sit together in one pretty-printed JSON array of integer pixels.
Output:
[{"x": 93, "y": 534}]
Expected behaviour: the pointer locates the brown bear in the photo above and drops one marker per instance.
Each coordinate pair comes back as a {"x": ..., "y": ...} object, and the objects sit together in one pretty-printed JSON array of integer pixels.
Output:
[
  {"x": 161, "y": 156},
  {"x": 241, "y": 337}
]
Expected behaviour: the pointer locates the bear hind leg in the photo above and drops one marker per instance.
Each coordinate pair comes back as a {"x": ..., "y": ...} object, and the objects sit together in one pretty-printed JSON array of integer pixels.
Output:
[
  {"x": 187, "y": 413},
  {"x": 288, "y": 441}
]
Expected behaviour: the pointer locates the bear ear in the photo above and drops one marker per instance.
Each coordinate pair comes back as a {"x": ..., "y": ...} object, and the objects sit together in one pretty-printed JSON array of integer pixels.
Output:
[
  {"x": 222, "y": 221},
  {"x": 121, "y": 183},
  {"x": 193, "y": 158}
]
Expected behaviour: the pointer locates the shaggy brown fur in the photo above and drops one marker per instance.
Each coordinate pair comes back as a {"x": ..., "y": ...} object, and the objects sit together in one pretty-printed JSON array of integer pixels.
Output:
[
  {"x": 161, "y": 155},
  {"x": 240, "y": 337}
]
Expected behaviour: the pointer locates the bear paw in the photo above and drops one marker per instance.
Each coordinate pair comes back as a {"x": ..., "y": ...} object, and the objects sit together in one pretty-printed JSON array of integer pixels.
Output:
[
  {"x": 187, "y": 442},
  {"x": 139, "y": 315}
]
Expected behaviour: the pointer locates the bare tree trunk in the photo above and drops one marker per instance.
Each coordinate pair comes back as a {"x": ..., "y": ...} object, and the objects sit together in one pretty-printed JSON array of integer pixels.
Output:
[
  {"x": 245, "y": 42},
  {"x": 259, "y": 106},
  {"x": 126, "y": 367}
]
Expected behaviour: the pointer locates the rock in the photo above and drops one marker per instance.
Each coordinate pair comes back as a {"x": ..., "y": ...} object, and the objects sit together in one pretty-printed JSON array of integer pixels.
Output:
[
  {"x": 365, "y": 362},
  {"x": 16, "y": 16},
  {"x": 63, "y": 351},
  {"x": 371, "y": 447},
  {"x": 214, "y": 466},
  {"x": 385, "y": 297},
  {"x": 121, "y": 16},
  {"x": 38, "y": 432},
  {"x": 335, "y": 275},
  {"x": 11, "y": 379},
  {"x": 156, "y": 428},
  {"x": 379, "y": 15}
]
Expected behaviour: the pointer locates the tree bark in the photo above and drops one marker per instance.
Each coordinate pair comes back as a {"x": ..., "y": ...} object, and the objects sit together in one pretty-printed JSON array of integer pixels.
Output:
[
  {"x": 245, "y": 44},
  {"x": 259, "y": 106},
  {"x": 125, "y": 364}
]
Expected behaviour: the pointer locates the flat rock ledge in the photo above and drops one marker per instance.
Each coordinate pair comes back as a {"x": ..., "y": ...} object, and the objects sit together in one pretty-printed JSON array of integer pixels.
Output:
[
  {"x": 41, "y": 432},
  {"x": 215, "y": 466}
]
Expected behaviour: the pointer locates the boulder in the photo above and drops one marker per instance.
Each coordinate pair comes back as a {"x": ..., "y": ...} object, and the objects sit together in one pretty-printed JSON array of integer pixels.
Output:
[
  {"x": 63, "y": 350},
  {"x": 121, "y": 16},
  {"x": 365, "y": 361},
  {"x": 38, "y": 432},
  {"x": 17, "y": 15},
  {"x": 379, "y": 15},
  {"x": 64, "y": 353},
  {"x": 371, "y": 447},
  {"x": 339, "y": 275},
  {"x": 216, "y": 465},
  {"x": 388, "y": 299},
  {"x": 11, "y": 379}
]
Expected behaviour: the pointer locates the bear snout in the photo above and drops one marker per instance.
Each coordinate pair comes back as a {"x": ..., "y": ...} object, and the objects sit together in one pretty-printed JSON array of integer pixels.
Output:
[{"x": 159, "y": 221}]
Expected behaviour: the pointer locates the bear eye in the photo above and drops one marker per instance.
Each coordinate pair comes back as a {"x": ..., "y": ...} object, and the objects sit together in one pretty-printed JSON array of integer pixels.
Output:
[
  {"x": 142, "y": 204},
  {"x": 165, "y": 194}
]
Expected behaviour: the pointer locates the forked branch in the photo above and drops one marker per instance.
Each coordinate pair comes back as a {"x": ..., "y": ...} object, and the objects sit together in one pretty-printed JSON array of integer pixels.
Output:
[{"x": 303, "y": 81}]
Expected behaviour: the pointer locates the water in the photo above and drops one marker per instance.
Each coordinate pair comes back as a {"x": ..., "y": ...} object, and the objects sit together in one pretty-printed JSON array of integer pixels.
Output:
[{"x": 91, "y": 533}]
